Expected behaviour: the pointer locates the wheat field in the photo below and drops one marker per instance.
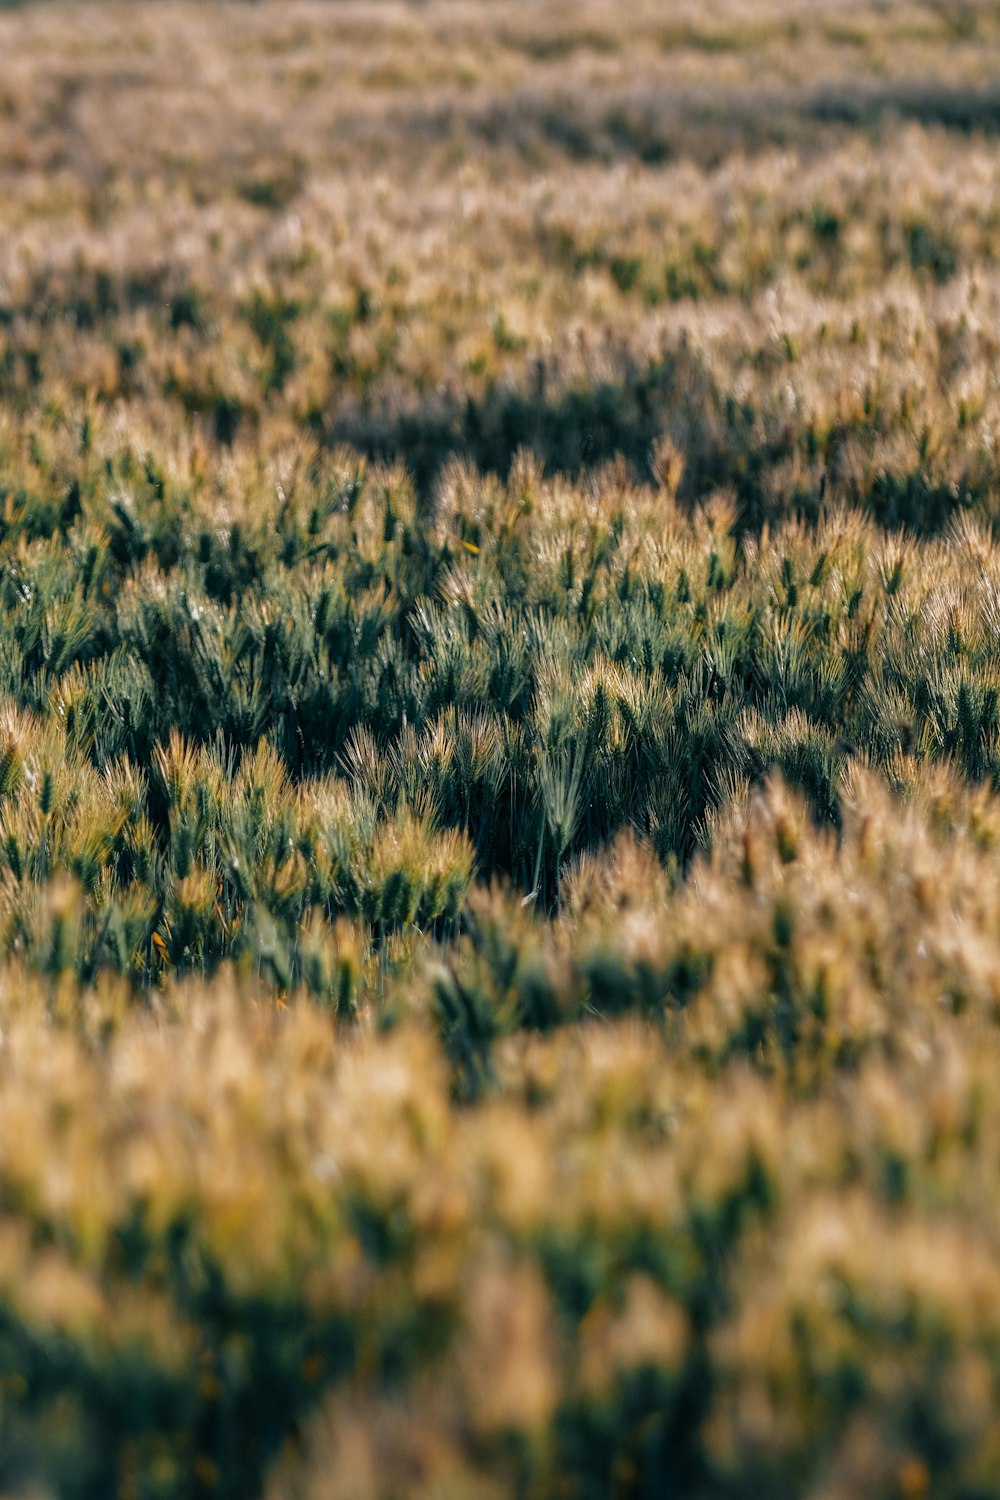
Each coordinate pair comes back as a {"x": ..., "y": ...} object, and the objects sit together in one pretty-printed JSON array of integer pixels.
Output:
[{"x": 499, "y": 750}]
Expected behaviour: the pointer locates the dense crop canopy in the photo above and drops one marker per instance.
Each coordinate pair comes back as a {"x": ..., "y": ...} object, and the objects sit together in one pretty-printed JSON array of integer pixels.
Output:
[{"x": 499, "y": 751}]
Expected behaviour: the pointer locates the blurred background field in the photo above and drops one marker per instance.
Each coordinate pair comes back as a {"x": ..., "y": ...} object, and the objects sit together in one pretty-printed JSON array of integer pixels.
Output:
[{"x": 499, "y": 750}]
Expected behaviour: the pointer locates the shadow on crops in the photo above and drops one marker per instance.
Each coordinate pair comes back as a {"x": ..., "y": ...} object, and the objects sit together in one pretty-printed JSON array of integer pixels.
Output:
[
  {"x": 572, "y": 431},
  {"x": 727, "y": 443},
  {"x": 703, "y": 125}
]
